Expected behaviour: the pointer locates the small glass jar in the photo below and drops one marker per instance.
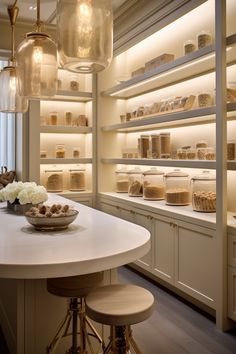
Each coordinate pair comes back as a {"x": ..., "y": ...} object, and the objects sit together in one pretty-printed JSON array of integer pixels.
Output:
[
  {"x": 122, "y": 181},
  {"x": 204, "y": 99},
  {"x": 53, "y": 118},
  {"x": 201, "y": 153},
  {"x": 60, "y": 151},
  {"x": 54, "y": 180},
  {"x": 191, "y": 154},
  {"x": 204, "y": 192},
  {"x": 74, "y": 85},
  {"x": 165, "y": 145},
  {"x": 144, "y": 145},
  {"x": 155, "y": 146},
  {"x": 210, "y": 153},
  {"x": 43, "y": 154},
  {"x": 189, "y": 46},
  {"x": 76, "y": 152},
  {"x": 77, "y": 179},
  {"x": 153, "y": 184},
  {"x": 231, "y": 150},
  {"x": 135, "y": 188},
  {"x": 204, "y": 38},
  {"x": 181, "y": 154},
  {"x": 68, "y": 118},
  {"x": 82, "y": 120},
  {"x": 177, "y": 188}
]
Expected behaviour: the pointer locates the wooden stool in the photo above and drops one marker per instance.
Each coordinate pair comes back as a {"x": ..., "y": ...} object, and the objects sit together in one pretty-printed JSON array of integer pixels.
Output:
[
  {"x": 75, "y": 288},
  {"x": 120, "y": 306}
]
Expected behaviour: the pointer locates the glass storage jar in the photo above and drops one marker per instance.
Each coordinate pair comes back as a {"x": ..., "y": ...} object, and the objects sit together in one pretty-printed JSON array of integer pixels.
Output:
[
  {"x": 231, "y": 150},
  {"x": 68, "y": 118},
  {"x": 135, "y": 187},
  {"x": 122, "y": 180},
  {"x": 204, "y": 192},
  {"x": 153, "y": 184},
  {"x": 165, "y": 145},
  {"x": 53, "y": 118},
  {"x": 76, "y": 152},
  {"x": 155, "y": 146},
  {"x": 189, "y": 46},
  {"x": 77, "y": 179},
  {"x": 60, "y": 151},
  {"x": 177, "y": 188},
  {"x": 54, "y": 180},
  {"x": 144, "y": 145},
  {"x": 204, "y": 38}
]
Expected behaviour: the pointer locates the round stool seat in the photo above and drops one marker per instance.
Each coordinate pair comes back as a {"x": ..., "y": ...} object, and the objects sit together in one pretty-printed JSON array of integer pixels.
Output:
[
  {"x": 76, "y": 286},
  {"x": 119, "y": 304}
]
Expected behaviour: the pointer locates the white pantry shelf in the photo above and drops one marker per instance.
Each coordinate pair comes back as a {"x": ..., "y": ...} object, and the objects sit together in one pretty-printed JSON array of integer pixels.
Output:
[
  {"x": 65, "y": 129},
  {"x": 61, "y": 161},
  {"x": 197, "y": 63}
]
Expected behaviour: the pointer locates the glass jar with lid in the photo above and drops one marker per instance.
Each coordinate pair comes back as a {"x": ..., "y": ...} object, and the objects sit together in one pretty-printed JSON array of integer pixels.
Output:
[
  {"x": 153, "y": 184},
  {"x": 77, "y": 179},
  {"x": 165, "y": 145},
  {"x": 177, "y": 188},
  {"x": 122, "y": 180},
  {"x": 135, "y": 187},
  {"x": 204, "y": 192},
  {"x": 155, "y": 146},
  {"x": 54, "y": 180},
  {"x": 144, "y": 145},
  {"x": 60, "y": 151}
]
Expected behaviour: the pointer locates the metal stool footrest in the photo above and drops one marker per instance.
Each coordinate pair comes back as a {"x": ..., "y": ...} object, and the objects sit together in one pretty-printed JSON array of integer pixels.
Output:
[{"x": 121, "y": 341}]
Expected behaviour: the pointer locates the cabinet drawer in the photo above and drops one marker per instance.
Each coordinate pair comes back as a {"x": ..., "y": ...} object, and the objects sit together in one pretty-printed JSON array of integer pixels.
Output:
[
  {"x": 232, "y": 250},
  {"x": 232, "y": 293}
]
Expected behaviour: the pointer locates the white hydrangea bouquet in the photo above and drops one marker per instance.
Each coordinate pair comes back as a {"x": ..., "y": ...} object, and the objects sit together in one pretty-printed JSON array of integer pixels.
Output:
[{"x": 23, "y": 193}]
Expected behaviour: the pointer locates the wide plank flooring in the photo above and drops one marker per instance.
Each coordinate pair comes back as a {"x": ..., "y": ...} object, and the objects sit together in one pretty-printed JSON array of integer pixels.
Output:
[{"x": 175, "y": 327}]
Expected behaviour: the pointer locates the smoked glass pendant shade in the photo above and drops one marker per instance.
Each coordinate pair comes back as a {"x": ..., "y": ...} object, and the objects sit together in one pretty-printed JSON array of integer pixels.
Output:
[
  {"x": 36, "y": 65},
  {"x": 10, "y": 101},
  {"x": 85, "y": 34}
]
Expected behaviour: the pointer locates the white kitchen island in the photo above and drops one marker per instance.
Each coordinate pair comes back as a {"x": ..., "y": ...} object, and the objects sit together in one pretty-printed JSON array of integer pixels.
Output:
[{"x": 95, "y": 241}]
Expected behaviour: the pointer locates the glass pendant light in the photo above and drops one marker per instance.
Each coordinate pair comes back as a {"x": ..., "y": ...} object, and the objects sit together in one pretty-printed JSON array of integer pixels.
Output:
[
  {"x": 36, "y": 63},
  {"x": 10, "y": 101},
  {"x": 85, "y": 34}
]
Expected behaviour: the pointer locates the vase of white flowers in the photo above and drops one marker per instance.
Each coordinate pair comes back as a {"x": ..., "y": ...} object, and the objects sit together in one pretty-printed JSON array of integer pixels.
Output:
[{"x": 20, "y": 196}]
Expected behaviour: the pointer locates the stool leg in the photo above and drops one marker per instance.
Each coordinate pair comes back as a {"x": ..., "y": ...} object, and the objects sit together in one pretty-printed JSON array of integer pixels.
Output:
[
  {"x": 74, "y": 326},
  {"x": 131, "y": 340},
  {"x": 59, "y": 334}
]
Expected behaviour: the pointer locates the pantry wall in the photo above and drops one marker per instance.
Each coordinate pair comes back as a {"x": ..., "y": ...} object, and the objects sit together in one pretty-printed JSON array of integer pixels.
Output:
[{"x": 147, "y": 93}]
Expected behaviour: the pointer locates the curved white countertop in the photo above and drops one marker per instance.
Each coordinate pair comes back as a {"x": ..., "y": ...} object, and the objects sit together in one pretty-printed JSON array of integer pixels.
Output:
[{"x": 95, "y": 241}]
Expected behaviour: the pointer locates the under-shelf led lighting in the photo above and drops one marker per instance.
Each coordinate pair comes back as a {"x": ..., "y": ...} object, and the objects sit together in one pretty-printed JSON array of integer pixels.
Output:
[{"x": 169, "y": 72}]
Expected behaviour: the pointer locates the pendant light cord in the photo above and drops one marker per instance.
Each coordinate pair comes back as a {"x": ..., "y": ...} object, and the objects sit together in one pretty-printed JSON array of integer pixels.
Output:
[
  {"x": 38, "y": 22},
  {"x": 13, "y": 11}
]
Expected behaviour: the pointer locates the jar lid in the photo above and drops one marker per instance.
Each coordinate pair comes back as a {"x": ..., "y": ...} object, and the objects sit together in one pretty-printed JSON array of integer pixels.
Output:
[
  {"x": 155, "y": 135},
  {"x": 153, "y": 171},
  {"x": 135, "y": 170},
  {"x": 53, "y": 171},
  {"x": 164, "y": 134},
  {"x": 144, "y": 136},
  {"x": 177, "y": 173},
  {"x": 205, "y": 176},
  {"x": 122, "y": 170},
  {"x": 77, "y": 169}
]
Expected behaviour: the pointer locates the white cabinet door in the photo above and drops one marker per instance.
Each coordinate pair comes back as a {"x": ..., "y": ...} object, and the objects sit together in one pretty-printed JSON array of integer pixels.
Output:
[
  {"x": 109, "y": 208},
  {"x": 146, "y": 221},
  {"x": 195, "y": 262},
  {"x": 163, "y": 249},
  {"x": 232, "y": 293}
]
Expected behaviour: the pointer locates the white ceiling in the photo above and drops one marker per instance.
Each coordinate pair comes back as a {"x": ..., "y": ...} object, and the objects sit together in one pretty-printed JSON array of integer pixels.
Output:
[{"x": 47, "y": 9}]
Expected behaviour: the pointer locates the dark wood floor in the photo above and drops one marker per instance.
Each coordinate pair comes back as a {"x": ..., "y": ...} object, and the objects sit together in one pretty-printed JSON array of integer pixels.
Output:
[{"x": 175, "y": 327}]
